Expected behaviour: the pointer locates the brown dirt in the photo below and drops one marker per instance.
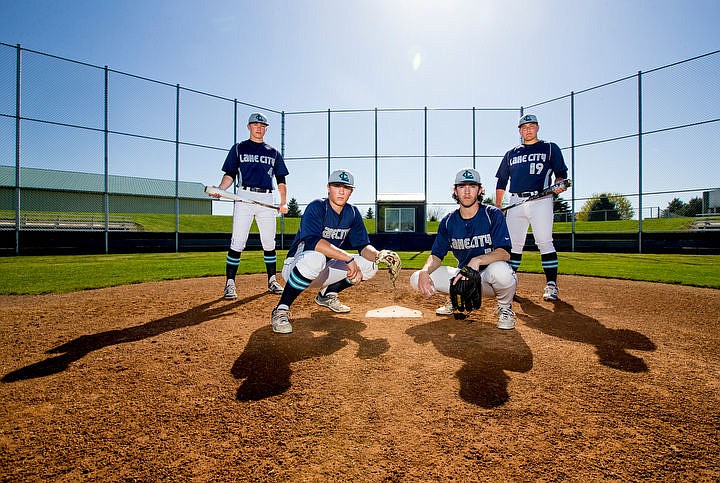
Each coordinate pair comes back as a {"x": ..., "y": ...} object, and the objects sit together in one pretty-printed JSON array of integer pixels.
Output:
[{"x": 166, "y": 381}]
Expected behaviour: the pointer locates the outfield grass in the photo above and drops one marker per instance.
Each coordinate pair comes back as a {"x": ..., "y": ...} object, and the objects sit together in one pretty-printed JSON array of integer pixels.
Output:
[{"x": 57, "y": 274}]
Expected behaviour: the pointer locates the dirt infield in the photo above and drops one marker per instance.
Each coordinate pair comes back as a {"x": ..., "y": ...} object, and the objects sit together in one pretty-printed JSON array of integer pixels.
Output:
[{"x": 167, "y": 381}]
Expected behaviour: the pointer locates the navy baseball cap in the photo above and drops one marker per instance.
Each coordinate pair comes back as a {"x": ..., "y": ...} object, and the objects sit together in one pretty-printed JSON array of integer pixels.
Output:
[
  {"x": 467, "y": 176},
  {"x": 341, "y": 176},
  {"x": 257, "y": 117},
  {"x": 527, "y": 118}
]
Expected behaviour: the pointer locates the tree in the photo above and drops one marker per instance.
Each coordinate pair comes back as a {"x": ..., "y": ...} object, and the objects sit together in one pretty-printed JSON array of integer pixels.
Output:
[
  {"x": 676, "y": 206},
  {"x": 560, "y": 205},
  {"x": 293, "y": 209},
  {"x": 606, "y": 206},
  {"x": 693, "y": 208},
  {"x": 369, "y": 215}
]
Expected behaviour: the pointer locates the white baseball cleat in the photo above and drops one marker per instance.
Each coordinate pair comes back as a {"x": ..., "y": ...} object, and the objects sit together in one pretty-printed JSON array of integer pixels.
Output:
[
  {"x": 446, "y": 309},
  {"x": 281, "y": 321},
  {"x": 506, "y": 317},
  {"x": 331, "y": 302},
  {"x": 230, "y": 293},
  {"x": 551, "y": 292},
  {"x": 275, "y": 288}
]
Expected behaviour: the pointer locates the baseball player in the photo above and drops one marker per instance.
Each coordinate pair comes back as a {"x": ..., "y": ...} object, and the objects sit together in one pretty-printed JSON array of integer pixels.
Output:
[
  {"x": 530, "y": 167},
  {"x": 317, "y": 259},
  {"x": 478, "y": 237},
  {"x": 252, "y": 164}
]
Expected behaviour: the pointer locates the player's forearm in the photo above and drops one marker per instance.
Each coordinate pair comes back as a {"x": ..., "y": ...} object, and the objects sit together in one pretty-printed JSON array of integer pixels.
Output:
[
  {"x": 226, "y": 182},
  {"x": 282, "y": 189},
  {"x": 331, "y": 251},
  {"x": 499, "y": 195},
  {"x": 369, "y": 253},
  {"x": 497, "y": 255},
  {"x": 431, "y": 264}
]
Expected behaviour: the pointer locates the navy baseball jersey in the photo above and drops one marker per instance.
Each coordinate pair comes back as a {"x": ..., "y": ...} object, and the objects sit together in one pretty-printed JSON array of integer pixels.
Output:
[
  {"x": 530, "y": 167},
  {"x": 321, "y": 222},
  {"x": 470, "y": 238},
  {"x": 256, "y": 164}
]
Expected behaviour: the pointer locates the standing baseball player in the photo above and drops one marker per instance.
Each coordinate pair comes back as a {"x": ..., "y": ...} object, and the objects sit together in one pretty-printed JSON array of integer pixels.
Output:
[
  {"x": 317, "y": 259},
  {"x": 530, "y": 167},
  {"x": 478, "y": 237},
  {"x": 254, "y": 163}
]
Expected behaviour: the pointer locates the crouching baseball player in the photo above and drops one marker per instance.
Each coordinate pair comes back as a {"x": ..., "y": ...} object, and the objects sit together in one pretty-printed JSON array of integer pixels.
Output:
[
  {"x": 478, "y": 237},
  {"x": 316, "y": 258}
]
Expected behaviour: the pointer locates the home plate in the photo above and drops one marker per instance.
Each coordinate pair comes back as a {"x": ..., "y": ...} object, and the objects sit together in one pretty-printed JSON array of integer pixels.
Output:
[{"x": 393, "y": 311}]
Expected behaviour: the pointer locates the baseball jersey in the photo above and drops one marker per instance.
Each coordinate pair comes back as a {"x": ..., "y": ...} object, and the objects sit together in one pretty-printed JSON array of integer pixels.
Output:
[
  {"x": 470, "y": 238},
  {"x": 321, "y": 222},
  {"x": 254, "y": 164},
  {"x": 530, "y": 167}
]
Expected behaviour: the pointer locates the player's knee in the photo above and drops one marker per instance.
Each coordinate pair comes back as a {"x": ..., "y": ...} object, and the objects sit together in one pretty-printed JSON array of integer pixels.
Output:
[
  {"x": 368, "y": 270},
  {"x": 545, "y": 246},
  {"x": 500, "y": 275},
  {"x": 414, "y": 279},
  {"x": 310, "y": 264}
]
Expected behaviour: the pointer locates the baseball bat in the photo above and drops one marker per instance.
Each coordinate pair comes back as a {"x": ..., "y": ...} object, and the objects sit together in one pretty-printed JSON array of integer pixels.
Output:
[
  {"x": 211, "y": 190},
  {"x": 549, "y": 190}
]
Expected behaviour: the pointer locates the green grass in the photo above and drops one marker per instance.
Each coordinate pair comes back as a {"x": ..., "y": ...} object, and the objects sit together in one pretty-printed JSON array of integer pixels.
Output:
[
  {"x": 57, "y": 274},
  {"x": 223, "y": 223}
]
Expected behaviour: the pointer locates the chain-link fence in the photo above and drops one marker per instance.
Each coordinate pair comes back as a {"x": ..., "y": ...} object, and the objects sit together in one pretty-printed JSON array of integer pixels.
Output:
[{"x": 81, "y": 143}]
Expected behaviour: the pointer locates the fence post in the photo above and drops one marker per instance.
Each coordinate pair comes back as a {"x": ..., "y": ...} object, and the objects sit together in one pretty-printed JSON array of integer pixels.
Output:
[
  {"x": 572, "y": 171},
  {"x": 376, "y": 172},
  {"x": 425, "y": 171},
  {"x": 106, "y": 195},
  {"x": 177, "y": 168},
  {"x": 17, "y": 148},
  {"x": 473, "y": 137},
  {"x": 328, "y": 143},
  {"x": 640, "y": 164}
]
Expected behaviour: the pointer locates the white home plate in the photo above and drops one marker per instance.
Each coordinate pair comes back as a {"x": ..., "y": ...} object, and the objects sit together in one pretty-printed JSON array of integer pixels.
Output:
[{"x": 393, "y": 311}]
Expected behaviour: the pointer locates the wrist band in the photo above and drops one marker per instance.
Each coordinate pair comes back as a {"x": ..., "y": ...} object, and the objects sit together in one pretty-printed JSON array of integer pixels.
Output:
[{"x": 350, "y": 261}]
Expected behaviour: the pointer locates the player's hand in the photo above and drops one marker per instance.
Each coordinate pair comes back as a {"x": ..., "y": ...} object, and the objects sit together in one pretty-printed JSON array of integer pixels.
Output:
[
  {"x": 353, "y": 273},
  {"x": 425, "y": 284},
  {"x": 560, "y": 188},
  {"x": 215, "y": 195},
  {"x": 283, "y": 209}
]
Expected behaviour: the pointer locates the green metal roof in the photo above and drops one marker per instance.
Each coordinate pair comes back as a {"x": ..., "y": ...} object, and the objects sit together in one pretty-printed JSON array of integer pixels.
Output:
[{"x": 47, "y": 179}]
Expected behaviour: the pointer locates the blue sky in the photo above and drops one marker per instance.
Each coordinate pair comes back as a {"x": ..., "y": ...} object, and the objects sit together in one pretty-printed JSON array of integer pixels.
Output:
[{"x": 317, "y": 55}]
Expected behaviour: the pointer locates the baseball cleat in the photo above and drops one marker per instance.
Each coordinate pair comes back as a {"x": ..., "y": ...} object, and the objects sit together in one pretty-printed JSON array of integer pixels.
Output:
[
  {"x": 281, "y": 321},
  {"x": 331, "y": 302},
  {"x": 551, "y": 292},
  {"x": 230, "y": 292},
  {"x": 274, "y": 287},
  {"x": 506, "y": 317},
  {"x": 446, "y": 309}
]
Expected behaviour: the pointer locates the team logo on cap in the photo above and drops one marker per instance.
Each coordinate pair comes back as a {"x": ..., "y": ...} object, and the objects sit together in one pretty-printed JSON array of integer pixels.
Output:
[
  {"x": 468, "y": 175},
  {"x": 527, "y": 118},
  {"x": 344, "y": 176}
]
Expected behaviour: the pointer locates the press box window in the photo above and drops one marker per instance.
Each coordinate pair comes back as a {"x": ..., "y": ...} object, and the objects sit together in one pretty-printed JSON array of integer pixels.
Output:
[{"x": 400, "y": 219}]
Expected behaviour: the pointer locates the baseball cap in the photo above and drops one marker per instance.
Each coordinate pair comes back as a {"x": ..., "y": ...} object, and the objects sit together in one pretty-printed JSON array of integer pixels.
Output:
[
  {"x": 467, "y": 176},
  {"x": 527, "y": 118},
  {"x": 257, "y": 117},
  {"x": 341, "y": 176}
]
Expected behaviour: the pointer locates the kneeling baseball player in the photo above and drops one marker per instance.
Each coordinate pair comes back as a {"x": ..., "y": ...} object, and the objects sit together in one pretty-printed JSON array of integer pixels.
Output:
[
  {"x": 316, "y": 258},
  {"x": 478, "y": 237}
]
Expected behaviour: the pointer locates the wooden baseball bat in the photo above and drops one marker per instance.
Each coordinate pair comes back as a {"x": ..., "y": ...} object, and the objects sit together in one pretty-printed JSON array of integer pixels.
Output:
[
  {"x": 549, "y": 190},
  {"x": 212, "y": 191}
]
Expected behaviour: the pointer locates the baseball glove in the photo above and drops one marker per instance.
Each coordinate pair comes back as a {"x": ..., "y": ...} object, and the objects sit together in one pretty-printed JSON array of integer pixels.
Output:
[
  {"x": 466, "y": 293},
  {"x": 393, "y": 262}
]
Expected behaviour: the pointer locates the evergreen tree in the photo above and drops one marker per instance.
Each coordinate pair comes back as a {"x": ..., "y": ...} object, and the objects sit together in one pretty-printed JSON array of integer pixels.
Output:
[
  {"x": 369, "y": 215},
  {"x": 293, "y": 209}
]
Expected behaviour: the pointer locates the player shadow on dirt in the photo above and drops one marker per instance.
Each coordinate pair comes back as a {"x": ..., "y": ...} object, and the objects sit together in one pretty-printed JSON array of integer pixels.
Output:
[
  {"x": 265, "y": 362},
  {"x": 78, "y": 348},
  {"x": 488, "y": 353},
  {"x": 611, "y": 345}
]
